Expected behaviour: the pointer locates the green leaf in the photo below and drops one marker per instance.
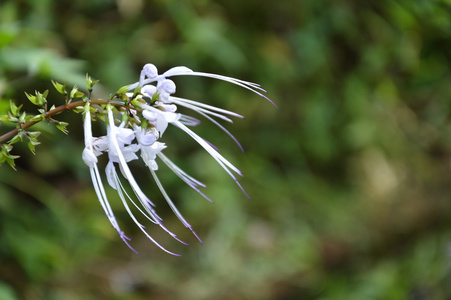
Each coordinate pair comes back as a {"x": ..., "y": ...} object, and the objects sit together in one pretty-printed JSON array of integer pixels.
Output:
[
  {"x": 137, "y": 102},
  {"x": 15, "y": 139},
  {"x": 137, "y": 91},
  {"x": 31, "y": 98},
  {"x": 61, "y": 88},
  {"x": 38, "y": 118},
  {"x": 62, "y": 126},
  {"x": 31, "y": 147},
  {"x": 22, "y": 118},
  {"x": 73, "y": 92},
  {"x": 39, "y": 99},
  {"x": 14, "y": 109},
  {"x": 34, "y": 134},
  {"x": 78, "y": 109},
  {"x": 6, "y": 118},
  {"x": 11, "y": 118},
  {"x": 90, "y": 83},
  {"x": 79, "y": 94},
  {"x": 10, "y": 161},
  {"x": 5, "y": 155},
  {"x": 122, "y": 90}
]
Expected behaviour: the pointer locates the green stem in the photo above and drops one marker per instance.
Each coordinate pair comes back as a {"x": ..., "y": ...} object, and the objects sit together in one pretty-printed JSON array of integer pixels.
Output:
[{"x": 54, "y": 112}]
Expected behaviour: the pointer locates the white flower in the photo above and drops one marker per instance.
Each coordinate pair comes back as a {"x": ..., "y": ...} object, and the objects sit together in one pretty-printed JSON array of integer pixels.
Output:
[
  {"x": 115, "y": 137},
  {"x": 143, "y": 124},
  {"x": 149, "y": 153},
  {"x": 160, "y": 119},
  {"x": 165, "y": 87},
  {"x": 120, "y": 151},
  {"x": 91, "y": 160},
  {"x": 145, "y": 137}
]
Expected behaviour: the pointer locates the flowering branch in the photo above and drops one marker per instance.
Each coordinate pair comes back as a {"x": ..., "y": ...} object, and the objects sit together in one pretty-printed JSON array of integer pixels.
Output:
[
  {"x": 48, "y": 115},
  {"x": 136, "y": 117}
]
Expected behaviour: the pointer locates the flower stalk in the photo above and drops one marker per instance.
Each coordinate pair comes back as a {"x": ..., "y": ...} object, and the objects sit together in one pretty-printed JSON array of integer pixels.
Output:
[
  {"x": 49, "y": 114},
  {"x": 135, "y": 118}
]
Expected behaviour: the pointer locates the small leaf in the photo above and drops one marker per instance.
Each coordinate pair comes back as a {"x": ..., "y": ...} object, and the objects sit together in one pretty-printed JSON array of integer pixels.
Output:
[
  {"x": 61, "y": 88},
  {"x": 6, "y": 118},
  {"x": 137, "y": 102},
  {"x": 73, "y": 92},
  {"x": 78, "y": 109},
  {"x": 11, "y": 118},
  {"x": 6, "y": 148},
  {"x": 122, "y": 90},
  {"x": 62, "y": 126},
  {"x": 41, "y": 98},
  {"x": 124, "y": 118},
  {"x": 22, "y": 118},
  {"x": 31, "y": 98},
  {"x": 90, "y": 83},
  {"x": 31, "y": 147},
  {"x": 124, "y": 97},
  {"x": 79, "y": 94},
  {"x": 38, "y": 118},
  {"x": 14, "y": 109},
  {"x": 15, "y": 139},
  {"x": 137, "y": 91},
  {"x": 11, "y": 163},
  {"x": 5, "y": 155},
  {"x": 155, "y": 97},
  {"x": 34, "y": 134}
]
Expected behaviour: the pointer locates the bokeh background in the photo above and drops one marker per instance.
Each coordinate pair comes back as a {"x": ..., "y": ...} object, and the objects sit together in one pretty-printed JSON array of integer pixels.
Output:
[{"x": 350, "y": 177}]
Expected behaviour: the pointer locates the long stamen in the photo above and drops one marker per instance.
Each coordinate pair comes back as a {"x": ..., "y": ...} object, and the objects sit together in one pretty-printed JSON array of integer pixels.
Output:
[
  {"x": 190, "y": 181},
  {"x": 172, "y": 205},
  {"x": 130, "y": 178},
  {"x": 149, "y": 122}
]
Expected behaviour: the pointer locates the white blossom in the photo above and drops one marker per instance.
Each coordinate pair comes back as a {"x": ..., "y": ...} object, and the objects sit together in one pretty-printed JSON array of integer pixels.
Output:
[{"x": 140, "y": 130}]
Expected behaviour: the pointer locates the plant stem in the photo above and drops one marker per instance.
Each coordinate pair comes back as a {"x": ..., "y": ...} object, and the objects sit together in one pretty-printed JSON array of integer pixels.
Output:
[{"x": 54, "y": 112}]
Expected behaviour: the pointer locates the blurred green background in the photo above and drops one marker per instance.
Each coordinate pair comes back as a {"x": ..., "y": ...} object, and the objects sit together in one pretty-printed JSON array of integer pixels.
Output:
[{"x": 349, "y": 177}]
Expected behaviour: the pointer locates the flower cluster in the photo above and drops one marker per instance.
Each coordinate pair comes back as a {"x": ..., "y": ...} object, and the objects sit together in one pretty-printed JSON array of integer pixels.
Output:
[{"x": 135, "y": 130}]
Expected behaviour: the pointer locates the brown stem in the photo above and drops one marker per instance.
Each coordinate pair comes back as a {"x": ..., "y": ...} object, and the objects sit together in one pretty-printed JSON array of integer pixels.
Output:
[{"x": 53, "y": 112}]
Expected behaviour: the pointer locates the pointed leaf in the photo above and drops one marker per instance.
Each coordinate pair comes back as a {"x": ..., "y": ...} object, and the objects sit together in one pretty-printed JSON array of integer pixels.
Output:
[
  {"x": 62, "y": 126},
  {"x": 61, "y": 88},
  {"x": 31, "y": 98},
  {"x": 122, "y": 90}
]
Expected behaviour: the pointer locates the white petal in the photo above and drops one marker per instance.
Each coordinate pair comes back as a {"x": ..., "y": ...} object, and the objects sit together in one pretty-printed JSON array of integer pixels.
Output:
[
  {"x": 145, "y": 137},
  {"x": 167, "y": 85},
  {"x": 89, "y": 157},
  {"x": 125, "y": 135},
  {"x": 110, "y": 173},
  {"x": 148, "y": 90},
  {"x": 169, "y": 107},
  {"x": 149, "y": 115},
  {"x": 149, "y": 71},
  {"x": 177, "y": 71},
  {"x": 218, "y": 157},
  {"x": 208, "y": 109}
]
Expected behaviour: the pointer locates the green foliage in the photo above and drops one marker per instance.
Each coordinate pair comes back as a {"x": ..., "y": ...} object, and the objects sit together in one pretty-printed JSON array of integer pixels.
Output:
[
  {"x": 6, "y": 156},
  {"x": 39, "y": 99},
  {"x": 61, "y": 88},
  {"x": 75, "y": 93},
  {"x": 90, "y": 83},
  {"x": 122, "y": 90}
]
